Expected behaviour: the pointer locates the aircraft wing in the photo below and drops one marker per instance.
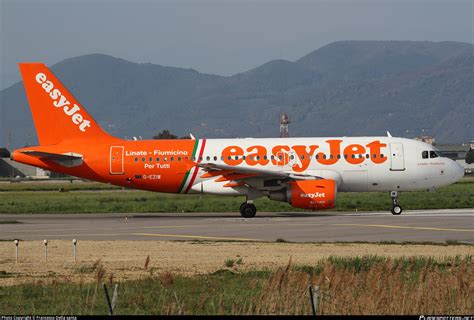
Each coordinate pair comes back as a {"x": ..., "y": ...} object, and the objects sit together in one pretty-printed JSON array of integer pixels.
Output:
[
  {"x": 238, "y": 176},
  {"x": 66, "y": 160}
]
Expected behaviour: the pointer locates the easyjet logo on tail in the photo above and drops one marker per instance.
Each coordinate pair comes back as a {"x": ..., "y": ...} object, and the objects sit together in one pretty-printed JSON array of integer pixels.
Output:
[
  {"x": 60, "y": 101},
  {"x": 282, "y": 155}
]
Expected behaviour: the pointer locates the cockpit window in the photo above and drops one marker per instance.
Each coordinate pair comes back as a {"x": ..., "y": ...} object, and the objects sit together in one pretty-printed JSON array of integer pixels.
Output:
[
  {"x": 424, "y": 154},
  {"x": 433, "y": 154}
]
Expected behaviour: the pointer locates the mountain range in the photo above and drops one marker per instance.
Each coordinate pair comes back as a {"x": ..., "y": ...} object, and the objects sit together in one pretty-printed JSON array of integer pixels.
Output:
[{"x": 409, "y": 88}]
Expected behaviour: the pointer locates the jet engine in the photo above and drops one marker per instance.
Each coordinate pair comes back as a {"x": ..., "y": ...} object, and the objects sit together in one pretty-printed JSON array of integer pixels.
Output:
[{"x": 308, "y": 194}]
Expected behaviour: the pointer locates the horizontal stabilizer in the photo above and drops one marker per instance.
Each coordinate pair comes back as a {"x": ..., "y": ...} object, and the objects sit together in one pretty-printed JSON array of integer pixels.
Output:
[{"x": 66, "y": 160}]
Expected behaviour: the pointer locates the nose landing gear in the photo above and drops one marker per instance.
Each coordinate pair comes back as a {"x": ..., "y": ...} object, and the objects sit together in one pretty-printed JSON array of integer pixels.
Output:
[{"x": 396, "y": 208}]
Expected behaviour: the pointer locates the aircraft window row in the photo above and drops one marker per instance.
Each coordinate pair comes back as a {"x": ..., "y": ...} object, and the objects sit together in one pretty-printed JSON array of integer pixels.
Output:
[
  {"x": 432, "y": 154},
  {"x": 158, "y": 159}
]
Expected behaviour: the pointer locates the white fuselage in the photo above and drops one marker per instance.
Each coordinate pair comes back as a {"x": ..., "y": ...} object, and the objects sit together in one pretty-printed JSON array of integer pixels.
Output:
[{"x": 358, "y": 164}]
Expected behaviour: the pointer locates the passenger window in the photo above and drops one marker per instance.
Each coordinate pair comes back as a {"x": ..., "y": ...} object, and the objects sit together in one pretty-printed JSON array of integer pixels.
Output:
[
  {"x": 157, "y": 159},
  {"x": 179, "y": 158},
  {"x": 143, "y": 159},
  {"x": 292, "y": 157},
  {"x": 215, "y": 158},
  {"x": 317, "y": 156},
  {"x": 302, "y": 157},
  {"x": 339, "y": 156},
  {"x": 172, "y": 159},
  {"x": 345, "y": 156},
  {"x": 150, "y": 159},
  {"x": 433, "y": 154},
  {"x": 375, "y": 156},
  {"x": 165, "y": 159},
  {"x": 324, "y": 156},
  {"x": 136, "y": 159},
  {"x": 208, "y": 158}
]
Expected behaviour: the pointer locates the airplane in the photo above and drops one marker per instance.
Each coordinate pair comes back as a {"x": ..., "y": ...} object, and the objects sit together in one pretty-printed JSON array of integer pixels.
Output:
[{"x": 304, "y": 172}]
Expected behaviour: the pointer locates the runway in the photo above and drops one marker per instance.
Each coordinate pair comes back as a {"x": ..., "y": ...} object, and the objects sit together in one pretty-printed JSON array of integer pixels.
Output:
[{"x": 429, "y": 225}]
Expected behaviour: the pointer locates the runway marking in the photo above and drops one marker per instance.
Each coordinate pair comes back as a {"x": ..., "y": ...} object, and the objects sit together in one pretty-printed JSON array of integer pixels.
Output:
[
  {"x": 191, "y": 236},
  {"x": 109, "y": 228},
  {"x": 401, "y": 227},
  {"x": 152, "y": 227},
  {"x": 360, "y": 225},
  {"x": 70, "y": 235},
  {"x": 44, "y": 230}
]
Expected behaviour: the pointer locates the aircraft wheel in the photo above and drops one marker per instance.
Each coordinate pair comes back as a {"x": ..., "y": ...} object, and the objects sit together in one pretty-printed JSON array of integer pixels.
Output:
[
  {"x": 396, "y": 210},
  {"x": 248, "y": 210}
]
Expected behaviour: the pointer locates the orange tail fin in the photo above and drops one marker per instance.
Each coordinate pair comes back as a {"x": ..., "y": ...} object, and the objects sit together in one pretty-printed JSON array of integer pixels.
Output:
[{"x": 57, "y": 115}]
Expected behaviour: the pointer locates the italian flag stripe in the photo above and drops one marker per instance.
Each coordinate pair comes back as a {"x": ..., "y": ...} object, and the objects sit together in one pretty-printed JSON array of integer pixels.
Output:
[
  {"x": 196, "y": 168},
  {"x": 183, "y": 183}
]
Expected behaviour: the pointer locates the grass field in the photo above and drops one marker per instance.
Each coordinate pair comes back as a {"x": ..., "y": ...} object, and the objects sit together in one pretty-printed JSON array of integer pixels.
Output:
[
  {"x": 55, "y": 185},
  {"x": 358, "y": 285},
  {"x": 102, "y": 198}
]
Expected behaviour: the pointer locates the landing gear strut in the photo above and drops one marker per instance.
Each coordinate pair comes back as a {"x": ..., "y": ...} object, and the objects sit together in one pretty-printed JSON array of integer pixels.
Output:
[
  {"x": 248, "y": 210},
  {"x": 396, "y": 208}
]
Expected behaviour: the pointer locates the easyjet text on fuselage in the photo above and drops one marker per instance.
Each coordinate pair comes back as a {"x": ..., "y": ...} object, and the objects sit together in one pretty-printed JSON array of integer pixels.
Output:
[{"x": 281, "y": 154}]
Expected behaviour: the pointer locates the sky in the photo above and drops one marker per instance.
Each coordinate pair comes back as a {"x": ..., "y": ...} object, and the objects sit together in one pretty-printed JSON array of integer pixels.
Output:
[{"x": 219, "y": 37}]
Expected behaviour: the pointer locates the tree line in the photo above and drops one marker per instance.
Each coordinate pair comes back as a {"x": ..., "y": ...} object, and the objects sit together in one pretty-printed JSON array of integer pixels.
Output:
[{"x": 166, "y": 134}]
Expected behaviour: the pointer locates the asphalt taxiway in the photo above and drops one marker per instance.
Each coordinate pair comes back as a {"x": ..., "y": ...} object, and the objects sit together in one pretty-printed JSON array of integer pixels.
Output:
[{"x": 427, "y": 225}]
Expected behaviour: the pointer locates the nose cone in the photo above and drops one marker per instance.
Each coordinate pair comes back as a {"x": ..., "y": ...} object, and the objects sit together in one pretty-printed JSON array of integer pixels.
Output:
[{"x": 457, "y": 171}]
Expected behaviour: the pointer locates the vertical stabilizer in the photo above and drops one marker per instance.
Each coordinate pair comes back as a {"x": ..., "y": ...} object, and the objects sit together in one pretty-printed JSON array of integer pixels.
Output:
[{"x": 57, "y": 115}]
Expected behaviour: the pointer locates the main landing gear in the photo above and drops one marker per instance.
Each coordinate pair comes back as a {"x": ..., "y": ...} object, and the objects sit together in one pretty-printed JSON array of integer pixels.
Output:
[
  {"x": 396, "y": 208},
  {"x": 248, "y": 210}
]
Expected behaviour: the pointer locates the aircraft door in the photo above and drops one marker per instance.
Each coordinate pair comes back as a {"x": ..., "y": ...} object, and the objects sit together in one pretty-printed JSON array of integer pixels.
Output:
[
  {"x": 397, "y": 161},
  {"x": 116, "y": 160}
]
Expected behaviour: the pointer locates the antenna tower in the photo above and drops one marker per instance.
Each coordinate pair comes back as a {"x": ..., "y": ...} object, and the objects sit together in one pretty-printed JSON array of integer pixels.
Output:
[{"x": 284, "y": 121}]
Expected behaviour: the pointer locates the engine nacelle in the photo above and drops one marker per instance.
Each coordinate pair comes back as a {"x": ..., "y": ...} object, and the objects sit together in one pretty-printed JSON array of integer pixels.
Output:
[{"x": 308, "y": 194}]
